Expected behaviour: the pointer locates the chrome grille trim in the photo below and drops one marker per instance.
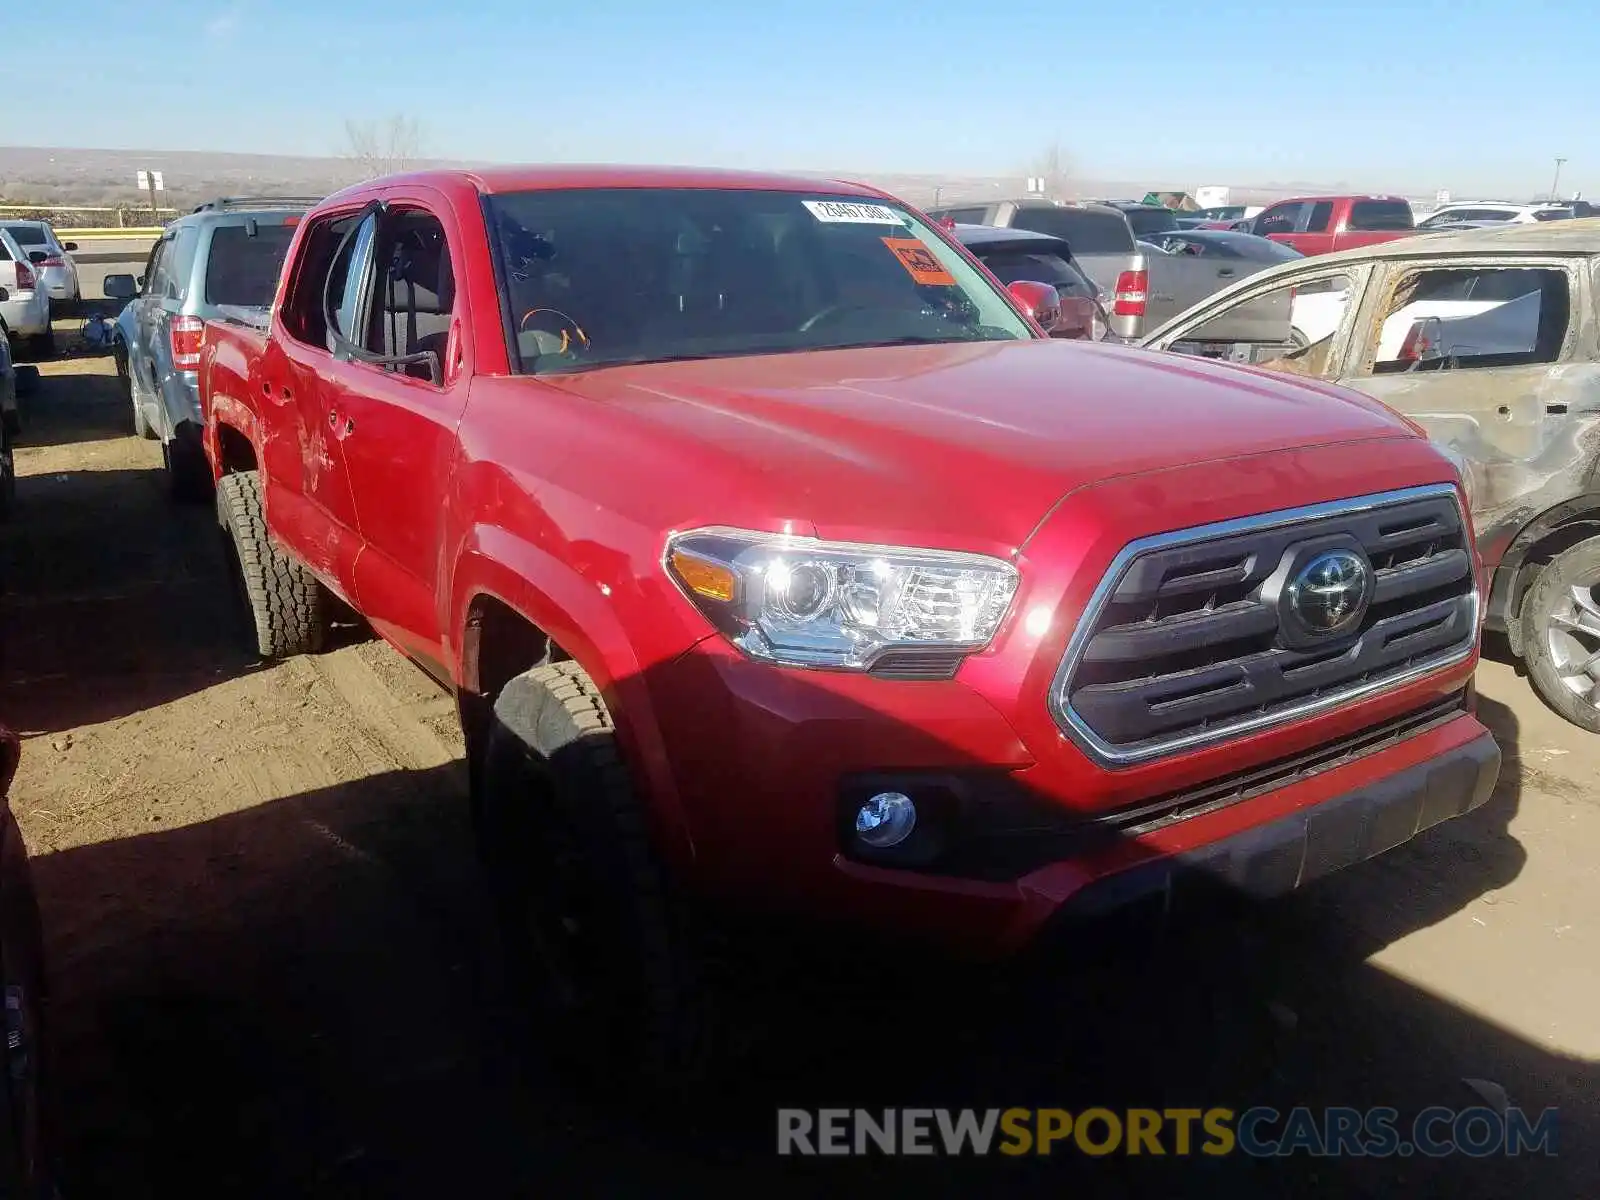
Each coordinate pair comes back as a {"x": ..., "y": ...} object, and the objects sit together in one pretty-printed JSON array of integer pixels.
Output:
[{"x": 1073, "y": 725}]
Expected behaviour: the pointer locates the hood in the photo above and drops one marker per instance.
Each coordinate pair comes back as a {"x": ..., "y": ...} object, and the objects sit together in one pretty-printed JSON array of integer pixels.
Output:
[{"x": 970, "y": 442}]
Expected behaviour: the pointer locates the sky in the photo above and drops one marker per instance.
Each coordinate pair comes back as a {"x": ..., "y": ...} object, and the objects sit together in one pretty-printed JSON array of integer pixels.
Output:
[{"x": 1477, "y": 96}]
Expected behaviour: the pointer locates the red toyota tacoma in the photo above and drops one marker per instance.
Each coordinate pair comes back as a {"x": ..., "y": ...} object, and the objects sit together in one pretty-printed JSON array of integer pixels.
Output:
[{"x": 778, "y": 561}]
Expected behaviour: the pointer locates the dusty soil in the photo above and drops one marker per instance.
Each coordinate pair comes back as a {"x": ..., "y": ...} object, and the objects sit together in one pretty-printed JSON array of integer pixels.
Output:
[{"x": 273, "y": 973}]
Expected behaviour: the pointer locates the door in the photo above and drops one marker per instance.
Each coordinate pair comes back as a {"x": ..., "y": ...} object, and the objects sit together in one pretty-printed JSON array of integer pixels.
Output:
[
  {"x": 141, "y": 366},
  {"x": 1483, "y": 355},
  {"x": 400, "y": 419},
  {"x": 302, "y": 385},
  {"x": 1186, "y": 274}
]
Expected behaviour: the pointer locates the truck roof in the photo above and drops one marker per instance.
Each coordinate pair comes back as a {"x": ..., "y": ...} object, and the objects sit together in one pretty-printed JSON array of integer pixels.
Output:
[{"x": 493, "y": 180}]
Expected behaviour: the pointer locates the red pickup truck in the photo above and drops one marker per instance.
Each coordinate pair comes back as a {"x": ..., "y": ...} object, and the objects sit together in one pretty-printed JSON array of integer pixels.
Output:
[
  {"x": 778, "y": 561},
  {"x": 1323, "y": 224}
]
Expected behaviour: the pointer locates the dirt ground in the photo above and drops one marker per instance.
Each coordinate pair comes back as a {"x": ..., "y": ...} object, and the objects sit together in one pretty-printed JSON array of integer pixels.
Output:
[{"x": 274, "y": 976}]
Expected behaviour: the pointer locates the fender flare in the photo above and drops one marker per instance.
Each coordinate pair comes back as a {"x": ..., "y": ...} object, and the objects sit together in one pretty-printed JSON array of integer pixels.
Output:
[
  {"x": 234, "y": 413},
  {"x": 1508, "y": 584},
  {"x": 498, "y": 565}
]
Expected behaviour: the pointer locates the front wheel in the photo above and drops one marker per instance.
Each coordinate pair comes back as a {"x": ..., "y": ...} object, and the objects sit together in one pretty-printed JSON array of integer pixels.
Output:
[
  {"x": 594, "y": 939},
  {"x": 1561, "y": 634}
]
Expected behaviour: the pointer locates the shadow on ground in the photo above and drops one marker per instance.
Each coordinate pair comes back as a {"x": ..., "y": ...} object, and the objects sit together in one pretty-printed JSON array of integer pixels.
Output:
[{"x": 314, "y": 1009}]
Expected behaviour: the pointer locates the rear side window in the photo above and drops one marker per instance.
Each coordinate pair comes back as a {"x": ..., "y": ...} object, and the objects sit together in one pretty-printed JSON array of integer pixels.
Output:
[
  {"x": 28, "y": 235},
  {"x": 242, "y": 269},
  {"x": 961, "y": 216},
  {"x": 1452, "y": 319},
  {"x": 1321, "y": 214},
  {"x": 1085, "y": 230},
  {"x": 176, "y": 264},
  {"x": 1369, "y": 216},
  {"x": 1009, "y": 265},
  {"x": 5, "y": 251}
]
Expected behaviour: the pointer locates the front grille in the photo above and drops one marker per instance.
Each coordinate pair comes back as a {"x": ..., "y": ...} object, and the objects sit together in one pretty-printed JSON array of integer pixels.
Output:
[{"x": 1191, "y": 637}]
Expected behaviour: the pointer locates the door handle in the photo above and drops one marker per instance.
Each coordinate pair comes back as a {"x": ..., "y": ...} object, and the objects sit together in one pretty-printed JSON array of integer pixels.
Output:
[{"x": 1225, "y": 273}]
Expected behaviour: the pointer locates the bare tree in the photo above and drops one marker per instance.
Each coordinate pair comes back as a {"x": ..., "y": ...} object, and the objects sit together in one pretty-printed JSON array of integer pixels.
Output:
[
  {"x": 383, "y": 147},
  {"x": 1055, "y": 167}
]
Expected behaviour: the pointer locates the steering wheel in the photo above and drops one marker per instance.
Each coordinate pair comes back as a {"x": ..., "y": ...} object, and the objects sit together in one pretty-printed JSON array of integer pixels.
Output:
[
  {"x": 828, "y": 312},
  {"x": 570, "y": 334}
]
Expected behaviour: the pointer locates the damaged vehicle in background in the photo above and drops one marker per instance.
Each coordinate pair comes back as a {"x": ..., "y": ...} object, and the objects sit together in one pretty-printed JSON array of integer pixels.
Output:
[{"x": 1488, "y": 340}]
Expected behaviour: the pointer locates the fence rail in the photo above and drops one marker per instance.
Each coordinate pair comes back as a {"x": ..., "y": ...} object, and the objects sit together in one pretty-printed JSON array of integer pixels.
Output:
[{"x": 136, "y": 218}]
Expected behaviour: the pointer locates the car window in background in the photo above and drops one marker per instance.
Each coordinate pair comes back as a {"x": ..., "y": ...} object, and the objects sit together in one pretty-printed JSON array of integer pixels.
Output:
[
  {"x": 1475, "y": 317},
  {"x": 243, "y": 270},
  {"x": 28, "y": 235},
  {"x": 1148, "y": 221},
  {"x": 1321, "y": 214},
  {"x": 1281, "y": 218},
  {"x": 1553, "y": 214},
  {"x": 1009, "y": 265},
  {"x": 1087, "y": 231},
  {"x": 961, "y": 216},
  {"x": 1370, "y": 216}
]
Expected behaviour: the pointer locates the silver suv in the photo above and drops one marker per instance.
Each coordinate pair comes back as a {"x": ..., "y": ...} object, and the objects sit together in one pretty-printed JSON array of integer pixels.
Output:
[
  {"x": 218, "y": 263},
  {"x": 1102, "y": 242}
]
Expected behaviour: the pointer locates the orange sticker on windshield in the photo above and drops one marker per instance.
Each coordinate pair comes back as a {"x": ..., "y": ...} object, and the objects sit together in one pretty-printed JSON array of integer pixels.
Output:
[{"x": 919, "y": 261}]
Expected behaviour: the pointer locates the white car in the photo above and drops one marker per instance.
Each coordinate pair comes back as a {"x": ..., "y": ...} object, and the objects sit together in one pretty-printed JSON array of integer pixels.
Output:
[
  {"x": 50, "y": 257},
  {"x": 1493, "y": 211},
  {"x": 25, "y": 307}
]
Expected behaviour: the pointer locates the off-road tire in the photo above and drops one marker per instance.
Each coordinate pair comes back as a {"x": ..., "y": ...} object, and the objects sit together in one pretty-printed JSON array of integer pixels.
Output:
[
  {"x": 554, "y": 802},
  {"x": 287, "y": 607},
  {"x": 1576, "y": 565}
]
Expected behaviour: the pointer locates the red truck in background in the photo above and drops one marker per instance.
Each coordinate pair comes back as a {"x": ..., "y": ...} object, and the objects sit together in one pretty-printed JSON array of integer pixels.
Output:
[
  {"x": 778, "y": 561},
  {"x": 1323, "y": 224}
]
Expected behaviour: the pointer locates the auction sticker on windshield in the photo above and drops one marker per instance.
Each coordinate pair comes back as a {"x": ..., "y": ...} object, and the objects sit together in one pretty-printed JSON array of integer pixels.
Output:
[
  {"x": 848, "y": 212},
  {"x": 920, "y": 262}
]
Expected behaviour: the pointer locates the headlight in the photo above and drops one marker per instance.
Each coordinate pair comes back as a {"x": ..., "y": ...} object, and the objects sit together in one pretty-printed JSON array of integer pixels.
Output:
[
  {"x": 1464, "y": 468},
  {"x": 808, "y": 603}
]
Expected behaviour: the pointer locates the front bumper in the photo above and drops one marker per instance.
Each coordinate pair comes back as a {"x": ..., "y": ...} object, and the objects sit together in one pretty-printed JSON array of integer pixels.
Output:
[{"x": 764, "y": 763}]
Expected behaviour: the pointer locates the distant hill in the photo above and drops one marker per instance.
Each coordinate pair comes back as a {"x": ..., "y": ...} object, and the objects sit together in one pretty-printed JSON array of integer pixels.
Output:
[{"x": 64, "y": 176}]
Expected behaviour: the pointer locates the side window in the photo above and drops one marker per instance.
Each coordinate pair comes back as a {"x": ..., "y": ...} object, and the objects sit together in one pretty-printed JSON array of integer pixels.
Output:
[
  {"x": 415, "y": 290},
  {"x": 1289, "y": 328},
  {"x": 1451, "y": 319},
  {"x": 302, "y": 309},
  {"x": 1280, "y": 218},
  {"x": 961, "y": 216},
  {"x": 1321, "y": 215},
  {"x": 154, "y": 280},
  {"x": 5, "y": 253},
  {"x": 177, "y": 263},
  {"x": 1379, "y": 215}
]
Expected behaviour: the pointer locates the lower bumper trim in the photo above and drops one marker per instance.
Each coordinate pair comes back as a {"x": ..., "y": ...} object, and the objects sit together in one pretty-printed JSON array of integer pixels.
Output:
[{"x": 1292, "y": 851}]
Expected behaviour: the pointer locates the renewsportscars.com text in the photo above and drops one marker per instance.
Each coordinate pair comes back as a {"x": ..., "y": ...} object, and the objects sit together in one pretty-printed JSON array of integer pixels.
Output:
[{"x": 1258, "y": 1132}]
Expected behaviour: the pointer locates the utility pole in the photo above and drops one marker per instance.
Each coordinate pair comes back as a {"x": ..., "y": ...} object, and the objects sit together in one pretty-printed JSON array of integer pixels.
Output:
[{"x": 1556, "y": 182}]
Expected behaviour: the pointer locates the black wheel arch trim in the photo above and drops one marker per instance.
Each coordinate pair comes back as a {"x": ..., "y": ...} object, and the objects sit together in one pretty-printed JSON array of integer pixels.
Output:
[{"x": 1511, "y": 581}]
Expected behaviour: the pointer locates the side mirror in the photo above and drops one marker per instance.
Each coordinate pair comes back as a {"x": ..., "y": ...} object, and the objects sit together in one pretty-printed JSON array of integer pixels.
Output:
[
  {"x": 69, "y": 247},
  {"x": 38, "y": 256},
  {"x": 1039, "y": 300},
  {"x": 139, "y": 282},
  {"x": 1424, "y": 343},
  {"x": 120, "y": 287}
]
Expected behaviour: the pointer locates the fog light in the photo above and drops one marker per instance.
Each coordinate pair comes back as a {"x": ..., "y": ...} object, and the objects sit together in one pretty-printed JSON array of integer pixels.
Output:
[{"x": 886, "y": 820}]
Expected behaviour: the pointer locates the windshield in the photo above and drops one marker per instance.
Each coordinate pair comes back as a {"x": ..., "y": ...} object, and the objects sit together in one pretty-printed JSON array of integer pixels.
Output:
[
  {"x": 600, "y": 277},
  {"x": 1146, "y": 221}
]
